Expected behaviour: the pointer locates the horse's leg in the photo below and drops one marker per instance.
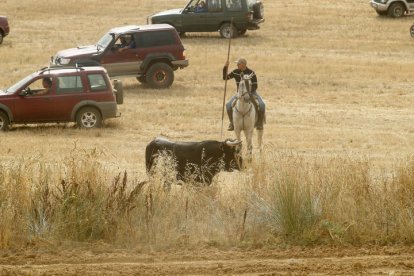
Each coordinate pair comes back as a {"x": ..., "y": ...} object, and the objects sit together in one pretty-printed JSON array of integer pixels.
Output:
[
  {"x": 249, "y": 138},
  {"x": 236, "y": 124}
]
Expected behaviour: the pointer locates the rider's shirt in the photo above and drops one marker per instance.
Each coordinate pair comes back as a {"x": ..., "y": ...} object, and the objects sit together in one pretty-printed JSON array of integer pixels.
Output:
[{"x": 236, "y": 74}]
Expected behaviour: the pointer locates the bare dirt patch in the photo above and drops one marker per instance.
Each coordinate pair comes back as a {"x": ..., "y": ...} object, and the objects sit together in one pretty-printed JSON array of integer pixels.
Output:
[{"x": 212, "y": 261}]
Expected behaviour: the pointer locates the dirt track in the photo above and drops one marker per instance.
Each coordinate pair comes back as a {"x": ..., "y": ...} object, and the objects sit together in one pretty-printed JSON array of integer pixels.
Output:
[{"x": 211, "y": 261}]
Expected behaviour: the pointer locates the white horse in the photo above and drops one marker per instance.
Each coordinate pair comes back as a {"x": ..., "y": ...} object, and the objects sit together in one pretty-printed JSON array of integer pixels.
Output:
[{"x": 245, "y": 115}]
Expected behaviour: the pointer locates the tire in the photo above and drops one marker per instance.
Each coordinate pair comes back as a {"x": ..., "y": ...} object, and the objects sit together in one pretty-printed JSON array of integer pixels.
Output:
[
  {"x": 396, "y": 10},
  {"x": 412, "y": 31},
  {"x": 1, "y": 37},
  {"x": 258, "y": 10},
  {"x": 88, "y": 117},
  {"x": 227, "y": 30},
  {"x": 4, "y": 121},
  {"x": 160, "y": 76},
  {"x": 119, "y": 91},
  {"x": 142, "y": 79}
]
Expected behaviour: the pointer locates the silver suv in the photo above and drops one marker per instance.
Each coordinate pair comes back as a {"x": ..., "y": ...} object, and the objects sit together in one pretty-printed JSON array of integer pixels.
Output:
[{"x": 392, "y": 8}]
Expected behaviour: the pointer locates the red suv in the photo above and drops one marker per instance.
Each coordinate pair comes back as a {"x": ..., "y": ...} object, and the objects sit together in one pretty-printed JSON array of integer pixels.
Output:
[
  {"x": 4, "y": 28},
  {"x": 148, "y": 52},
  {"x": 83, "y": 95}
]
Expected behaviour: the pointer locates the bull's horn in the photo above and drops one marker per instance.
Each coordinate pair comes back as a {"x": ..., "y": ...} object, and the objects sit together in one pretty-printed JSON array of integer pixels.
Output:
[{"x": 233, "y": 143}]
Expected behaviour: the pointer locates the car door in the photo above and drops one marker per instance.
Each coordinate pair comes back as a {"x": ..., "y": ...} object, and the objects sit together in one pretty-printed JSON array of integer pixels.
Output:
[
  {"x": 120, "y": 61},
  {"x": 32, "y": 107},
  {"x": 193, "y": 21},
  {"x": 215, "y": 15},
  {"x": 69, "y": 92}
]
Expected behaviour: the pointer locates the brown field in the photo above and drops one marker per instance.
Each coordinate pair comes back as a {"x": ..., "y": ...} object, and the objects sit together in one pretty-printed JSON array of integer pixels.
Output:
[{"x": 336, "y": 81}]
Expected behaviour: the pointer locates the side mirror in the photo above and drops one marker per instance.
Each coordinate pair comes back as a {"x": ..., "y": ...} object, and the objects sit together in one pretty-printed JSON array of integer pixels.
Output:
[{"x": 26, "y": 92}]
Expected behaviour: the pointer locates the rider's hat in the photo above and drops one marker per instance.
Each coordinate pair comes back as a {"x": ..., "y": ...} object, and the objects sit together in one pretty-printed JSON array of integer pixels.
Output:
[{"x": 241, "y": 61}]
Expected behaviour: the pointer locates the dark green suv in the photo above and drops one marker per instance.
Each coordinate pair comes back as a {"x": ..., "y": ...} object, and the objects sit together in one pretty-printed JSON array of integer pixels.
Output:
[{"x": 229, "y": 17}]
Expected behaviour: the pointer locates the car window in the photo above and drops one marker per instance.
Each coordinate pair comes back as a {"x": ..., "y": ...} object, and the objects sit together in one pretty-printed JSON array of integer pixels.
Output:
[
  {"x": 154, "y": 39},
  {"x": 192, "y": 4},
  {"x": 36, "y": 85},
  {"x": 251, "y": 3},
  {"x": 15, "y": 87},
  {"x": 97, "y": 82},
  {"x": 104, "y": 41},
  {"x": 214, "y": 5},
  {"x": 69, "y": 84},
  {"x": 234, "y": 5}
]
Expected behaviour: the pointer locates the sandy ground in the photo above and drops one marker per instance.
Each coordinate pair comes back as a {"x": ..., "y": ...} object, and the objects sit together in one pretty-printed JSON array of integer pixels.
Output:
[{"x": 212, "y": 261}]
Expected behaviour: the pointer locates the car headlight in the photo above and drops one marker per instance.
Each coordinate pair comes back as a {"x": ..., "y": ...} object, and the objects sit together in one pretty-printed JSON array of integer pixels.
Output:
[
  {"x": 383, "y": 1},
  {"x": 64, "y": 61}
]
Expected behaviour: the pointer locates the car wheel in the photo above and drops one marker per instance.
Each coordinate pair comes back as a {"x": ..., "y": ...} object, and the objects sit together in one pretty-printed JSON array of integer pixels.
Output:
[
  {"x": 1, "y": 37},
  {"x": 160, "y": 76},
  {"x": 88, "y": 117},
  {"x": 4, "y": 121},
  {"x": 119, "y": 91},
  {"x": 396, "y": 10},
  {"x": 227, "y": 30},
  {"x": 258, "y": 10},
  {"x": 142, "y": 79},
  {"x": 412, "y": 31}
]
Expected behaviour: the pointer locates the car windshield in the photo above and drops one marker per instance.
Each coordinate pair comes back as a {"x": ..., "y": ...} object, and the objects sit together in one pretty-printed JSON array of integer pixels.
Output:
[
  {"x": 12, "y": 89},
  {"x": 104, "y": 41}
]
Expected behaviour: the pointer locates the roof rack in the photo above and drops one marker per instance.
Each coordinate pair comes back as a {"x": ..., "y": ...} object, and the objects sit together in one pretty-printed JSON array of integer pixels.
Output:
[{"x": 52, "y": 68}]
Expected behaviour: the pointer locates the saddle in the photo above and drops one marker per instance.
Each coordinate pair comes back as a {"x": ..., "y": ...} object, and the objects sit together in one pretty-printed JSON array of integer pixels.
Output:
[{"x": 254, "y": 100}]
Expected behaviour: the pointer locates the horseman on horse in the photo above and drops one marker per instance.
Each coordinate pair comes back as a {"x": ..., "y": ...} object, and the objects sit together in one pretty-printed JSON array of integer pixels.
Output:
[{"x": 237, "y": 74}]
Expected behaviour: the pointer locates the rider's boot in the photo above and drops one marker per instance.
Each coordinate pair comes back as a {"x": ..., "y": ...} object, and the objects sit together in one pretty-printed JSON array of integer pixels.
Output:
[
  {"x": 230, "y": 114},
  {"x": 259, "y": 123},
  {"x": 231, "y": 127},
  {"x": 260, "y": 119}
]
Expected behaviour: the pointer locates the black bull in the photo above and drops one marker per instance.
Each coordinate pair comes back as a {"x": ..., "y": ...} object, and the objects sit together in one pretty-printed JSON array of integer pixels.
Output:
[{"x": 200, "y": 160}]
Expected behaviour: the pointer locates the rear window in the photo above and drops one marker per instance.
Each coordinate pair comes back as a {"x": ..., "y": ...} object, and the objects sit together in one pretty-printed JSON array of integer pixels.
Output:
[
  {"x": 234, "y": 5},
  {"x": 251, "y": 3},
  {"x": 214, "y": 5},
  {"x": 154, "y": 39},
  {"x": 69, "y": 84},
  {"x": 97, "y": 82}
]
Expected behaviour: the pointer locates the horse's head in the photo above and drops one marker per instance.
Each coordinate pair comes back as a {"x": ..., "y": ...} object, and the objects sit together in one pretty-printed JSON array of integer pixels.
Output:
[{"x": 243, "y": 92}]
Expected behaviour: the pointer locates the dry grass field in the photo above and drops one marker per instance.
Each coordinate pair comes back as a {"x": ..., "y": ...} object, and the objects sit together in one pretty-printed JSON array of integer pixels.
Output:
[{"x": 335, "y": 172}]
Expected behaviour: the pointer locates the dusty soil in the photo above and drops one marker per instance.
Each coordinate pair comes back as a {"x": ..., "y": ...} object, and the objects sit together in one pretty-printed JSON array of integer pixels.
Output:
[{"x": 212, "y": 261}]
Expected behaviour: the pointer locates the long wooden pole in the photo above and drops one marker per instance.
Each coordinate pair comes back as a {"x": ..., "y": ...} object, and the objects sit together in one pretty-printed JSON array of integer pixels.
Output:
[{"x": 225, "y": 81}]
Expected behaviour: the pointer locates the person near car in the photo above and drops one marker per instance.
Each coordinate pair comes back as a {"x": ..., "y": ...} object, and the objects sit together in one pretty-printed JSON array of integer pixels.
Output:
[
  {"x": 237, "y": 75},
  {"x": 127, "y": 43},
  {"x": 47, "y": 84},
  {"x": 200, "y": 7}
]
